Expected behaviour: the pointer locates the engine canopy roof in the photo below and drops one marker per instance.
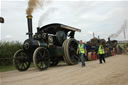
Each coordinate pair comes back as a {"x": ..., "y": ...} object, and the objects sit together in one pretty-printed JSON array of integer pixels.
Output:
[{"x": 54, "y": 27}]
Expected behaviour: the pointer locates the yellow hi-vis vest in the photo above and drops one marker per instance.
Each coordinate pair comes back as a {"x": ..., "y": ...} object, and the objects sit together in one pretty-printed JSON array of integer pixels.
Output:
[
  {"x": 81, "y": 49},
  {"x": 100, "y": 50}
]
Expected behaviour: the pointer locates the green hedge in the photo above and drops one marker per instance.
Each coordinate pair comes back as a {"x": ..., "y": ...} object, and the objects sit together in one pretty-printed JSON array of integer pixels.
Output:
[{"x": 7, "y": 50}]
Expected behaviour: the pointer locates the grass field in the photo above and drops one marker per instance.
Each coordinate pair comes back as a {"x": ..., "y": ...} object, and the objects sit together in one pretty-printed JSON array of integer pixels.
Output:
[
  {"x": 10, "y": 68},
  {"x": 7, "y": 68}
]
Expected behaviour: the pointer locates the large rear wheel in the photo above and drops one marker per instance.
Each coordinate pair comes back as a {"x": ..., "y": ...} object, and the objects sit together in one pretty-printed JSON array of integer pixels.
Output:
[{"x": 70, "y": 49}]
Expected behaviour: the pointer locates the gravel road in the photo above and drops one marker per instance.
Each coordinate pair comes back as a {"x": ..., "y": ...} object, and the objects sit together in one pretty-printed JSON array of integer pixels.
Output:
[{"x": 113, "y": 72}]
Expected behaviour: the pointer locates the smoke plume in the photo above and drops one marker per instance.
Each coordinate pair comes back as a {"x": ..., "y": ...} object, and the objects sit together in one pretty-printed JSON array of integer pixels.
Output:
[
  {"x": 46, "y": 15},
  {"x": 32, "y": 5},
  {"x": 124, "y": 26}
]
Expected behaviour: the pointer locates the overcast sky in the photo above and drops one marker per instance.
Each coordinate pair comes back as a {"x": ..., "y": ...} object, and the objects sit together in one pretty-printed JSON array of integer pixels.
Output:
[{"x": 101, "y": 17}]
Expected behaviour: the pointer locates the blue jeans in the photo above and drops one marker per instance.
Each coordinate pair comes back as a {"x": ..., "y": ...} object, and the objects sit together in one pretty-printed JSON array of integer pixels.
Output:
[{"x": 82, "y": 59}]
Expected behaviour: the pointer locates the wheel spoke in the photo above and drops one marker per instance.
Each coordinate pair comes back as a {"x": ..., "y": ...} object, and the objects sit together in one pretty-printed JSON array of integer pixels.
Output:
[
  {"x": 76, "y": 57},
  {"x": 41, "y": 64},
  {"x": 26, "y": 63},
  {"x": 41, "y": 55},
  {"x": 22, "y": 66}
]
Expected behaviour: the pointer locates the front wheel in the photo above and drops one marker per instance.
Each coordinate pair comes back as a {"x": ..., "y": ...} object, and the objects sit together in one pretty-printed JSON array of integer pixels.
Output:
[
  {"x": 21, "y": 60},
  {"x": 41, "y": 58}
]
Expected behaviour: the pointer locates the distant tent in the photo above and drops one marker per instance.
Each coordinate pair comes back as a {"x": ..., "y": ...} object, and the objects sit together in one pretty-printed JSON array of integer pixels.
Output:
[{"x": 1, "y": 20}]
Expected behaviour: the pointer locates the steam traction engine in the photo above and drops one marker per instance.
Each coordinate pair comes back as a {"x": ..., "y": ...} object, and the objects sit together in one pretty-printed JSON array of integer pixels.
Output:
[
  {"x": 51, "y": 44},
  {"x": 93, "y": 44}
]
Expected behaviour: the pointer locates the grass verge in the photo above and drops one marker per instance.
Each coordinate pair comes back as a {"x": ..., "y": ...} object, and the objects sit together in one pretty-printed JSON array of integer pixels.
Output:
[
  {"x": 7, "y": 68},
  {"x": 10, "y": 68}
]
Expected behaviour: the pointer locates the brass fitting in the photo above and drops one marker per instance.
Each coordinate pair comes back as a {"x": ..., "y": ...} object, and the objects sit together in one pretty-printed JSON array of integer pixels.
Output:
[{"x": 29, "y": 16}]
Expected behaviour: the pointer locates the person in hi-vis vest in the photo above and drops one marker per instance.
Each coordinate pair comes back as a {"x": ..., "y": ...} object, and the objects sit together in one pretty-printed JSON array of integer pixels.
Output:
[
  {"x": 81, "y": 50},
  {"x": 101, "y": 53}
]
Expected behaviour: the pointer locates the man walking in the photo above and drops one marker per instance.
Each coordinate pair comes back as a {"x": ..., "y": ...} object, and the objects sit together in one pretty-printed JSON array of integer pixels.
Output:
[
  {"x": 101, "y": 54},
  {"x": 81, "y": 50}
]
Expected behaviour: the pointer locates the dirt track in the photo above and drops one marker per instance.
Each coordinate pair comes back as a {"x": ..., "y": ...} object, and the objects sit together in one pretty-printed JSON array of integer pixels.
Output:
[{"x": 114, "y": 72}]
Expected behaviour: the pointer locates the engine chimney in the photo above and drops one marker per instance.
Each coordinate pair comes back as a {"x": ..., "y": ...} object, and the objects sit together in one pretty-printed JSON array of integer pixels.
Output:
[
  {"x": 30, "y": 33},
  {"x": 108, "y": 39}
]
